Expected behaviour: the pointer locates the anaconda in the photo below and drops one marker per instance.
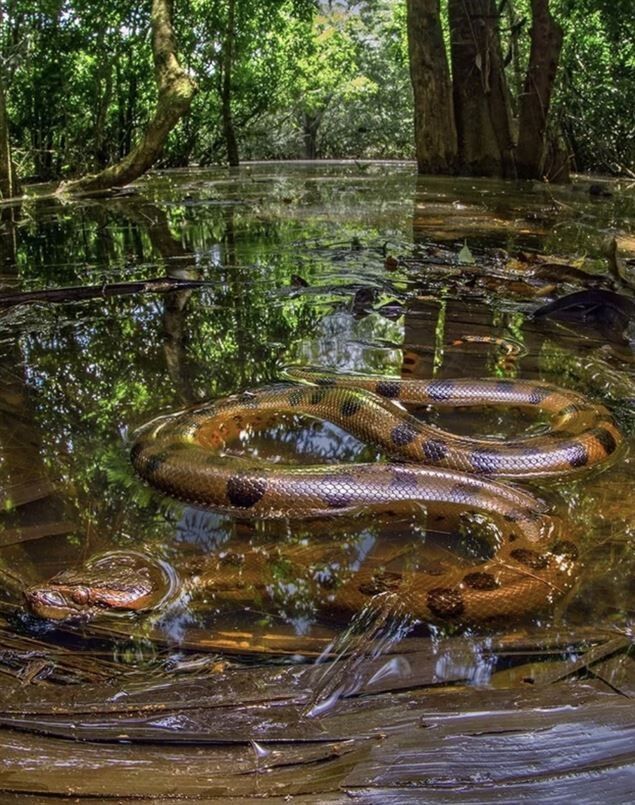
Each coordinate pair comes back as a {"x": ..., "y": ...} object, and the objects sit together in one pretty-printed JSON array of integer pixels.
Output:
[{"x": 182, "y": 455}]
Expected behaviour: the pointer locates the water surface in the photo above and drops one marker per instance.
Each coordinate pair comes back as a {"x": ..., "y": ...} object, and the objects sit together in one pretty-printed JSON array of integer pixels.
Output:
[{"x": 352, "y": 267}]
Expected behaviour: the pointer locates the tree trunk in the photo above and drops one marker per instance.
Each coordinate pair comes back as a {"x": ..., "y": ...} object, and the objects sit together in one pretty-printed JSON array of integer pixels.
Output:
[
  {"x": 103, "y": 96},
  {"x": 226, "y": 89},
  {"x": 516, "y": 24},
  {"x": 176, "y": 90},
  {"x": 546, "y": 44},
  {"x": 481, "y": 98},
  {"x": 310, "y": 127},
  {"x": 435, "y": 134},
  {"x": 9, "y": 185}
]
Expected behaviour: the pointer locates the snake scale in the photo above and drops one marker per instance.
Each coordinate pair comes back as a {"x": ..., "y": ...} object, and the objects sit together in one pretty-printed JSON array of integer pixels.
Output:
[{"x": 182, "y": 456}]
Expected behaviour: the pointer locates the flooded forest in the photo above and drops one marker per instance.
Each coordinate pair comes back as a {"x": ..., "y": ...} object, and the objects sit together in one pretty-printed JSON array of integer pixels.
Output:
[{"x": 317, "y": 401}]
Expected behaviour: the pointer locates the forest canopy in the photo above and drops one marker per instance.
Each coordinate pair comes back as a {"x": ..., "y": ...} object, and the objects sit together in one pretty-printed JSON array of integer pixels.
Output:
[{"x": 286, "y": 79}]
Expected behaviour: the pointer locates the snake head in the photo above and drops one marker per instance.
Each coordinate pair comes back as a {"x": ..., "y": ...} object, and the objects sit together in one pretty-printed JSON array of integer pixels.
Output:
[
  {"x": 55, "y": 601},
  {"x": 114, "y": 582}
]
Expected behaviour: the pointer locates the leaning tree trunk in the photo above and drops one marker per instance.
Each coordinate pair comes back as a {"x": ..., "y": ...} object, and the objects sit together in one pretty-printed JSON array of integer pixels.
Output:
[
  {"x": 546, "y": 44},
  {"x": 176, "y": 90},
  {"x": 481, "y": 99},
  {"x": 435, "y": 135}
]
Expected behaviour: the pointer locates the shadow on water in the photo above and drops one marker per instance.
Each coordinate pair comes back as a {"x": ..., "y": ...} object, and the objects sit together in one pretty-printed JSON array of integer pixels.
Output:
[{"x": 201, "y": 284}]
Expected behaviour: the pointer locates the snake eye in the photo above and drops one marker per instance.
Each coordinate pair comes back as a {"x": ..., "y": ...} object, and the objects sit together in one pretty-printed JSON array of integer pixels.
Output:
[{"x": 80, "y": 595}]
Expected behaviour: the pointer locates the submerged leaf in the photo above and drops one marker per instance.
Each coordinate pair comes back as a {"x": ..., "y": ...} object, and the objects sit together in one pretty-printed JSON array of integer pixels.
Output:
[{"x": 465, "y": 255}]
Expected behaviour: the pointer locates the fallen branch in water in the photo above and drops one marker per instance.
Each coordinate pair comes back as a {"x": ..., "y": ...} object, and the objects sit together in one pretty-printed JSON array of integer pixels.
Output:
[{"x": 74, "y": 293}]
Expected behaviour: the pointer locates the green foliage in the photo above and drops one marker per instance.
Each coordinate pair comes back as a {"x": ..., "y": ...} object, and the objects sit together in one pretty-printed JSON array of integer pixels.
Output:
[
  {"x": 264, "y": 42},
  {"x": 597, "y": 88},
  {"x": 351, "y": 96},
  {"x": 308, "y": 78},
  {"x": 80, "y": 87}
]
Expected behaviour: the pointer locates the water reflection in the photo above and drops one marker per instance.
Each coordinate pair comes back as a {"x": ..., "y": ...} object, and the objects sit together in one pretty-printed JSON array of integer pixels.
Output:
[{"x": 78, "y": 377}]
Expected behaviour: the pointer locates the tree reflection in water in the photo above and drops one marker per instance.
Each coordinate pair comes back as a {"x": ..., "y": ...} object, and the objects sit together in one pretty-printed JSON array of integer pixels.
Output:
[{"x": 79, "y": 377}]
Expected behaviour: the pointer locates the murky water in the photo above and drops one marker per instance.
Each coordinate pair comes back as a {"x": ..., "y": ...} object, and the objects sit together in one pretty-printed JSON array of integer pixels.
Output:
[{"x": 354, "y": 268}]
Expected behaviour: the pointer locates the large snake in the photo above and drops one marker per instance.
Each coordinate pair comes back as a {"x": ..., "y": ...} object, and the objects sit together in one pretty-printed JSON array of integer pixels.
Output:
[{"x": 182, "y": 455}]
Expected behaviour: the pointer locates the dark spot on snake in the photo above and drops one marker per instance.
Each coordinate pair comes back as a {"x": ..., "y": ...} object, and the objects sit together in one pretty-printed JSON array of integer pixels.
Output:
[
  {"x": 565, "y": 548},
  {"x": 522, "y": 516},
  {"x": 296, "y": 397},
  {"x": 505, "y": 385},
  {"x": 577, "y": 455},
  {"x": 536, "y": 561},
  {"x": 317, "y": 396},
  {"x": 381, "y": 582},
  {"x": 403, "y": 434},
  {"x": 350, "y": 407},
  {"x": 154, "y": 463},
  {"x": 325, "y": 381},
  {"x": 481, "y": 581},
  {"x": 605, "y": 438},
  {"x": 403, "y": 477},
  {"x": 486, "y": 460},
  {"x": 464, "y": 493},
  {"x": 434, "y": 450},
  {"x": 440, "y": 390},
  {"x": 245, "y": 491},
  {"x": 538, "y": 394},
  {"x": 388, "y": 388},
  {"x": 446, "y": 602},
  {"x": 337, "y": 493},
  {"x": 409, "y": 360}
]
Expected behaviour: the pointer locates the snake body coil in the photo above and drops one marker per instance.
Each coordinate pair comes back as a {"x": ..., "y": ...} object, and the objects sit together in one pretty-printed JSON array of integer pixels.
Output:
[{"x": 182, "y": 455}]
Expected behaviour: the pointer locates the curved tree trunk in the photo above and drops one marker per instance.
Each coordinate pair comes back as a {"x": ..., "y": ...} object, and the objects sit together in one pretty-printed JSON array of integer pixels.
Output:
[
  {"x": 176, "y": 90},
  {"x": 435, "y": 135},
  {"x": 481, "y": 98},
  {"x": 546, "y": 44}
]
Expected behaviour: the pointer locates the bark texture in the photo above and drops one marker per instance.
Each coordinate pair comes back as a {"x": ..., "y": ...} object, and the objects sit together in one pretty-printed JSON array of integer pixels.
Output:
[
  {"x": 435, "y": 134},
  {"x": 481, "y": 98},
  {"x": 175, "y": 93},
  {"x": 546, "y": 44}
]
